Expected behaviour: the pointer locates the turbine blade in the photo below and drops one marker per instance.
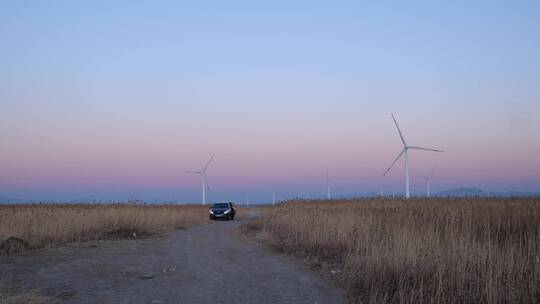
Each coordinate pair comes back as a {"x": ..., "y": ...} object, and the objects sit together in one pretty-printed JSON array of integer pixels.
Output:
[
  {"x": 400, "y": 134},
  {"x": 395, "y": 160},
  {"x": 426, "y": 149},
  {"x": 208, "y": 163},
  {"x": 193, "y": 172}
]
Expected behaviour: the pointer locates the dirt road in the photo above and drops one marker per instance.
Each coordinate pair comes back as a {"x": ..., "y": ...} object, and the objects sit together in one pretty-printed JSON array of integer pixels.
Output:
[{"x": 205, "y": 264}]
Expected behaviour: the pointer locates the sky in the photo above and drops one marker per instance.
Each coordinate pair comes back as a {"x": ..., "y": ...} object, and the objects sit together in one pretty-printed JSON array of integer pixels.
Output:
[{"x": 111, "y": 100}]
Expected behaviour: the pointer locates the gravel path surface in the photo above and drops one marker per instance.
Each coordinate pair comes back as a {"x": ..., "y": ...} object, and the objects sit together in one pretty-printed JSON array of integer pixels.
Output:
[{"x": 205, "y": 264}]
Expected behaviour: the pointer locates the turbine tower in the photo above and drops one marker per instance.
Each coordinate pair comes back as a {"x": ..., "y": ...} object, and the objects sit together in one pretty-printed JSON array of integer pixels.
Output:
[
  {"x": 204, "y": 181},
  {"x": 405, "y": 152}
]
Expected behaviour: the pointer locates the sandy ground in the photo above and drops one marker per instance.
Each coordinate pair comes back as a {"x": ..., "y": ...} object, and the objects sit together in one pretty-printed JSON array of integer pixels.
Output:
[{"x": 205, "y": 264}]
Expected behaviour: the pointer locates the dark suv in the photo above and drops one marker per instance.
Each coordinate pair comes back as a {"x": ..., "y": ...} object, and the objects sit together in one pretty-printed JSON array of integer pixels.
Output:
[{"x": 222, "y": 211}]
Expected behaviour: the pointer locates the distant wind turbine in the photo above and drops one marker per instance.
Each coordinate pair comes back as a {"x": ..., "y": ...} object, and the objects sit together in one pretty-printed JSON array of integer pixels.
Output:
[
  {"x": 428, "y": 180},
  {"x": 327, "y": 185},
  {"x": 405, "y": 152},
  {"x": 204, "y": 181}
]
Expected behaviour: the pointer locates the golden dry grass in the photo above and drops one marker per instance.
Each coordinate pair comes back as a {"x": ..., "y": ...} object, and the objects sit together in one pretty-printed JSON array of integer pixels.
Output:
[
  {"x": 16, "y": 296},
  {"x": 36, "y": 226},
  {"x": 416, "y": 251}
]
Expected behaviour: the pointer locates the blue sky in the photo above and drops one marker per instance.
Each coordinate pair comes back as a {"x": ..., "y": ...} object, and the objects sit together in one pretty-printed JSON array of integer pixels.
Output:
[{"x": 112, "y": 99}]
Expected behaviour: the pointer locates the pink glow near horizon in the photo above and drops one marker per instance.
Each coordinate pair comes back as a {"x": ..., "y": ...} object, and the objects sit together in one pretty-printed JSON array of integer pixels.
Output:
[{"x": 155, "y": 163}]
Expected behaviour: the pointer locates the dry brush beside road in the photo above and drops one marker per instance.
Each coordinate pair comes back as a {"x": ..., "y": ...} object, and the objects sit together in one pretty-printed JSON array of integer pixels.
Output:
[
  {"x": 33, "y": 226},
  {"x": 416, "y": 251}
]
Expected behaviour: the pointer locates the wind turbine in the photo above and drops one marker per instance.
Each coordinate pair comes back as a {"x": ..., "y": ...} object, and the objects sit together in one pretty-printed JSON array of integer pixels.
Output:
[
  {"x": 203, "y": 175},
  {"x": 327, "y": 185},
  {"x": 428, "y": 180},
  {"x": 405, "y": 152}
]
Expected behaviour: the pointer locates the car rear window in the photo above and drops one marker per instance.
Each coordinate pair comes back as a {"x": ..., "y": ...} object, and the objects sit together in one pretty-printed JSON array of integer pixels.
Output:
[{"x": 221, "y": 205}]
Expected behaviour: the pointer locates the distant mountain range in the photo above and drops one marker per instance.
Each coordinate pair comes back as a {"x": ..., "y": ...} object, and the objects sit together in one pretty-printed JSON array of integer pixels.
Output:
[{"x": 475, "y": 192}]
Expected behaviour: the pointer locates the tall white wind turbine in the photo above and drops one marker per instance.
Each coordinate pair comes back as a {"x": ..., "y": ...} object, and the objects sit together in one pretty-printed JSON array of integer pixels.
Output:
[
  {"x": 405, "y": 152},
  {"x": 204, "y": 181}
]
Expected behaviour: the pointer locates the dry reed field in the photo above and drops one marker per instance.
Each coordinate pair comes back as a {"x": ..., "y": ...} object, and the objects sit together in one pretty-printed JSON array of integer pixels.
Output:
[
  {"x": 14, "y": 296},
  {"x": 24, "y": 227},
  {"x": 416, "y": 251}
]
